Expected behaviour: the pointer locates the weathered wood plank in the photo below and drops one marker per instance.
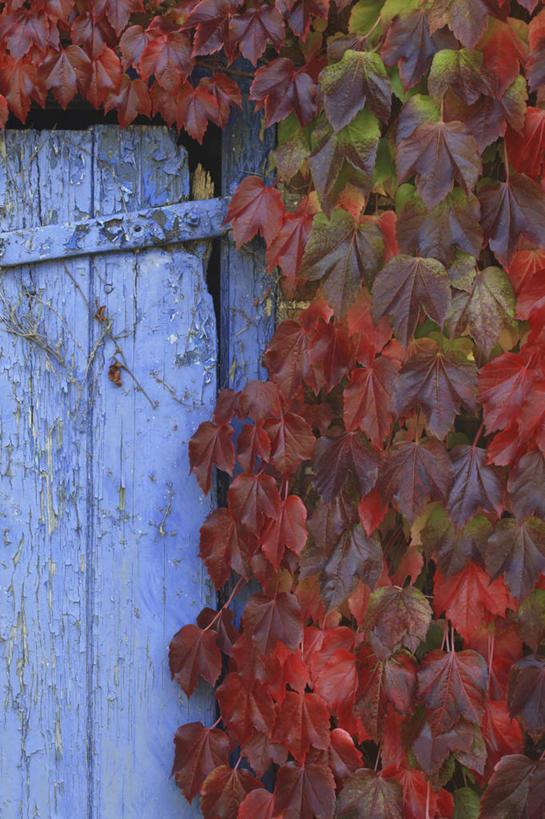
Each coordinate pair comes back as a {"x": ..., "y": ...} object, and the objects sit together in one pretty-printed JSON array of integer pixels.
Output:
[
  {"x": 148, "y": 579},
  {"x": 247, "y": 300},
  {"x": 148, "y": 227},
  {"x": 99, "y": 521},
  {"x": 43, "y": 489}
]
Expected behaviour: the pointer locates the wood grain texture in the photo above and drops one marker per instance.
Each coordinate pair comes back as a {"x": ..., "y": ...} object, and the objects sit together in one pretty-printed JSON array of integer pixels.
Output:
[{"x": 98, "y": 517}]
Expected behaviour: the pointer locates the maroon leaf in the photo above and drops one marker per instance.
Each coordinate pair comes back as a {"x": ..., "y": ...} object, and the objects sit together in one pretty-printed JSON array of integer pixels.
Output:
[
  {"x": 288, "y": 530},
  {"x": 510, "y": 210},
  {"x": 287, "y": 356},
  {"x": 381, "y": 682},
  {"x": 166, "y": 55},
  {"x": 368, "y": 399},
  {"x": 211, "y": 445},
  {"x": 222, "y": 548},
  {"x": 415, "y": 473},
  {"x": 245, "y": 710},
  {"x": 279, "y": 89},
  {"x": 453, "y": 685},
  {"x": 334, "y": 458},
  {"x": 213, "y": 22},
  {"x": 467, "y": 19},
  {"x": 452, "y": 549},
  {"x": 344, "y": 757},
  {"x": 254, "y": 28},
  {"x": 193, "y": 652},
  {"x": 525, "y": 485},
  {"x": 253, "y": 499},
  {"x": 341, "y": 251},
  {"x": 438, "y": 383},
  {"x": 476, "y": 486},
  {"x": 354, "y": 555},
  {"x": 223, "y": 791},
  {"x": 304, "y": 791},
  {"x": 258, "y": 803},
  {"x": 397, "y": 618},
  {"x": 409, "y": 43},
  {"x": 358, "y": 79},
  {"x": 527, "y": 694},
  {"x": 302, "y": 723},
  {"x": 198, "y": 751},
  {"x": 404, "y": 287},
  {"x": 292, "y": 442},
  {"x": 270, "y": 619},
  {"x": 518, "y": 551},
  {"x": 515, "y": 789},
  {"x": 366, "y": 793}
]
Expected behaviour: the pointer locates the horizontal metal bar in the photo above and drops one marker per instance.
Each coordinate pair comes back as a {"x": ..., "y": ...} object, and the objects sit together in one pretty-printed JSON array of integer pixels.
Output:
[{"x": 149, "y": 227}]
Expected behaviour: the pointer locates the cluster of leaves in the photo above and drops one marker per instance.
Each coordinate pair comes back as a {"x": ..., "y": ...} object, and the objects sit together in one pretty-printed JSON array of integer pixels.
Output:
[{"x": 388, "y": 480}]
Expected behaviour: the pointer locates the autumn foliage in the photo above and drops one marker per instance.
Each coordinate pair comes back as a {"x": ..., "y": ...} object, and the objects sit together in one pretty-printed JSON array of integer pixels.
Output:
[{"x": 388, "y": 481}]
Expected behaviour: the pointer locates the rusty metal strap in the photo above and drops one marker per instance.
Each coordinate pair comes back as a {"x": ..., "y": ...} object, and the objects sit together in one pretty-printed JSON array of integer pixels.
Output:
[{"x": 148, "y": 227}]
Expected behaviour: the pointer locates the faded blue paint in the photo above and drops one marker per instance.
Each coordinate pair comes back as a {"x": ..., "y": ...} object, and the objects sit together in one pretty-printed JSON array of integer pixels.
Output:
[
  {"x": 98, "y": 519},
  {"x": 148, "y": 227}
]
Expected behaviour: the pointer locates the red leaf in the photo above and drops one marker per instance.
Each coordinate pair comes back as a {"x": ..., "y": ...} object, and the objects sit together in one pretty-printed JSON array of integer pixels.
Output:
[
  {"x": 255, "y": 207},
  {"x": 527, "y": 148},
  {"x": 253, "y": 442},
  {"x": 222, "y": 548},
  {"x": 404, "y": 287},
  {"x": 226, "y": 93},
  {"x": 261, "y": 753},
  {"x": 504, "y": 385},
  {"x": 302, "y": 723},
  {"x": 502, "y": 734},
  {"x": 258, "y": 803},
  {"x": 224, "y": 790},
  {"x": 254, "y": 498},
  {"x": 525, "y": 486},
  {"x": 193, "y": 652},
  {"x": 118, "y": 12},
  {"x": 289, "y": 529},
  {"x": 292, "y": 442},
  {"x": 382, "y": 681},
  {"x": 254, "y": 28},
  {"x": 211, "y": 445},
  {"x": 469, "y": 599},
  {"x": 62, "y": 78},
  {"x": 438, "y": 383},
  {"x": 23, "y": 28},
  {"x": 20, "y": 82},
  {"x": 452, "y": 685},
  {"x": 452, "y": 549},
  {"x": 270, "y": 619},
  {"x": 337, "y": 682},
  {"x": 415, "y": 473},
  {"x": 131, "y": 100},
  {"x": 287, "y": 356},
  {"x": 280, "y": 89},
  {"x": 510, "y": 210},
  {"x": 287, "y": 247},
  {"x": 419, "y": 796},
  {"x": 466, "y": 19},
  {"x": 504, "y": 50},
  {"x": 371, "y": 510},
  {"x": 198, "y": 751},
  {"x": 132, "y": 43},
  {"x": 366, "y": 793},
  {"x": 213, "y": 21},
  {"x": 104, "y": 77},
  {"x": 300, "y": 13},
  {"x": 409, "y": 43},
  {"x": 334, "y": 458},
  {"x": 476, "y": 486},
  {"x": 368, "y": 399},
  {"x": 166, "y": 55},
  {"x": 344, "y": 757},
  {"x": 195, "y": 107},
  {"x": 359, "y": 79},
  {"x": 304, "y": 791},
  {"x": 245, "y": 710}
]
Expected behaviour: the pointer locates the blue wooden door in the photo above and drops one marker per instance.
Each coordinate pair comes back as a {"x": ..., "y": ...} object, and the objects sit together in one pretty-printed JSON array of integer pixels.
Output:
[{"x": 98, "y": 518}]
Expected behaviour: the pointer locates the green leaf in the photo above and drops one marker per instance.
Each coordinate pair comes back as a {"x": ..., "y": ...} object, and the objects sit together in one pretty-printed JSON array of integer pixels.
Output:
[
  {"x": 363, "y": 16},
  {"x": 460, "y": 72},
  {"x": 466, "y": 804}
]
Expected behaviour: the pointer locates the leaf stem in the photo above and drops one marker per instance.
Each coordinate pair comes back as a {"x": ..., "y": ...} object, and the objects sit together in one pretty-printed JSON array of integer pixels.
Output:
[
  {"x": 506, "y": 160},
  {"x": 216, "y": 723},
  {"x": 428, "y": 802},
  {"x": 240, "y": 582},
  {"x": 478, "y": 435},
  {"x": 491, "y": 639}
]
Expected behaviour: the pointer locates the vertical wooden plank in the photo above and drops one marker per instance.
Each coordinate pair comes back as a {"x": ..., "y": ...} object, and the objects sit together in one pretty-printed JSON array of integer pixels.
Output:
[
  {"x": 147, "y": 577},
  {"x": 247, "y": 301},
  {"x": 44, "y": 178}
]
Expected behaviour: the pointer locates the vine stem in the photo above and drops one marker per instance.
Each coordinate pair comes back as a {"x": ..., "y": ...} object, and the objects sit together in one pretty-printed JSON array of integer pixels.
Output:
[
  {"x": 478, "y": 435},
  {"x": 491, "y": 639},
  {"x": 240, "y": 582}
]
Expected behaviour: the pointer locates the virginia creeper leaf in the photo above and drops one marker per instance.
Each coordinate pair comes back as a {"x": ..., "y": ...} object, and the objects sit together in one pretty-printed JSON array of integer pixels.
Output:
[
  {"x": 280, "y": 89},
  {"x": 368, "y": 399},
  {"x": 404, "y": 287},
  {"x": 288, "y": 530},
  {"x": 436, "y": 382},
  {"x": 335, "y": 457},
  {"x": 397, "y": 618},
  {"x": 510, "y": 210},
  {"x": 292, "y": 441},
  {"x": 525, "y": 485},
  {"x": 517, "y": 550},
  {"x": 515, "y": 790},
  {"x": 222, "y": 548},
  {"x": 439, "y": 153},
  {"x": 304, "y": 791},
  {"x": 476, "y": 486},
  {"x": 357, "y": 80},
  {"x": 527, "y": 694},
  {"x": 198, "y": 751},
  {"x": 193, "y": 652},
  {"x": 367, "y": 794},
  {"x": 452, "y": 549},
  {"x": 354, "y": 555},
  {"x": 253, "y": 499},
  {"x": 460, "y": 71},
  {"x": 302, "y": 723},
  {"x": 245, "y": 710},
  {"x": 223, "y": 791},
  {"x": 270, "y": 619},
  {"x": 341, "y": 251},
  {"x": 254, "y": 27},
  {"x": 255, "y": 207},
  {"x": 452, "y": 685},
  {"x": 409, "y": 43},
  {"x": 466, "y": 19},
  {"x": 415, "y": 473}
]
